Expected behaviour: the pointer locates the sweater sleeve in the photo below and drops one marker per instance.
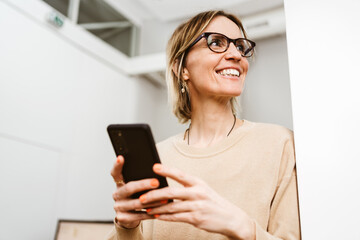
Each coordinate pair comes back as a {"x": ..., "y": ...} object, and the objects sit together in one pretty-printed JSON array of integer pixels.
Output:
[
  {"x": 284, "y": 214},
  {"x": 120, "y": 233}
]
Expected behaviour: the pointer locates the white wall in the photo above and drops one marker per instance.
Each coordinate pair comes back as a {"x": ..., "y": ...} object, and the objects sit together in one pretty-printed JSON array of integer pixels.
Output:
[
  {"x": 155, "y": 35},
  {"x": 56, "y": 100},
  {"x": 266, "y": 97},
  {"x": 323, "y": 42},
  {"x": 166, "y": 122}
]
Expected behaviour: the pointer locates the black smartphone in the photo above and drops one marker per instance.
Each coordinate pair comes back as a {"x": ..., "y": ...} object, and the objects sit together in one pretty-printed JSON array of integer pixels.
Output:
[{"x": 136, "y": 143}]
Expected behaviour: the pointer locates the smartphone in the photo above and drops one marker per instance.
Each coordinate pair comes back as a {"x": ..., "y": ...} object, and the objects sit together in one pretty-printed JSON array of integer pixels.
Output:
[{"x": 136, "y": 143}]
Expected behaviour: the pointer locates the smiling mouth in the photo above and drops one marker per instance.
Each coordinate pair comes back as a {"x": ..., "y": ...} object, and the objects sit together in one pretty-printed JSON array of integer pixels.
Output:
[{"x": 229, "y": 72}]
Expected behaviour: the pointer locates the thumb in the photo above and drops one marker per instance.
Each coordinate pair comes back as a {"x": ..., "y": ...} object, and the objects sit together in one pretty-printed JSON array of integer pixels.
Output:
[{"x": 116, "y": 171}]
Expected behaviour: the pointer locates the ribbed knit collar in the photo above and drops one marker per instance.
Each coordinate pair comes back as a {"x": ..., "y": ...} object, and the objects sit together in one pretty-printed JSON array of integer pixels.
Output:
[{"x": 191, "y": 151}]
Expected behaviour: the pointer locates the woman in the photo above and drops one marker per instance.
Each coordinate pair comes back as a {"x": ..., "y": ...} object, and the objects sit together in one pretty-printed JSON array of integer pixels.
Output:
[{"x": 230, "y": 178}]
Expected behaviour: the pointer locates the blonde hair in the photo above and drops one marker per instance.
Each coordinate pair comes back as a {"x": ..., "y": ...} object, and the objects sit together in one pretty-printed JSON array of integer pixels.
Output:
[{"x": 176, "y": 51}]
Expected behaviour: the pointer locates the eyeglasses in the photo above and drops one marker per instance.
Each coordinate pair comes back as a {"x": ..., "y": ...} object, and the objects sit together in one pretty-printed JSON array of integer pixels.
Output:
[{"x": 219, "y": 43}]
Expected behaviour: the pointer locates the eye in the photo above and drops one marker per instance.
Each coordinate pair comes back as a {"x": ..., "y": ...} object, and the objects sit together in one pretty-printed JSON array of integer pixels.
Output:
[
  {"x": 240, "y": 47},
  {"x": 215, "y": 42}
]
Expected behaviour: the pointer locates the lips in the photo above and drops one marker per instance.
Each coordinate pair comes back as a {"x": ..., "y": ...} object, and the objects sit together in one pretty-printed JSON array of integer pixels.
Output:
[{"x": 229, "y": 72}]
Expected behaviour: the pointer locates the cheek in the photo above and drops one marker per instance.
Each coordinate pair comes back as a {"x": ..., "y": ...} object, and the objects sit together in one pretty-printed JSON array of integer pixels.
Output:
[
  {"x": 201, "y": 63},
  {"x": 199, "y": 72},
  {"x": 245, "y": 66}
]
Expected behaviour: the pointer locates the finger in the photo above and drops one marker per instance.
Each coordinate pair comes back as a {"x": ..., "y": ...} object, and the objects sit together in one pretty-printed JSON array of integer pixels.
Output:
[
  {"x": 174, "y": 207},
  {"x": 134, "y": 204},
  {"x": 135, "y": 186},
  {"x": 155, "y": 204},
  {"x": 128, "y": 217},
  {"x": 186, "y": 217},
  {"x": 176, "y": 174},
  {"x": 116, "y": 171},
  {"x": 168, "y": 193}
]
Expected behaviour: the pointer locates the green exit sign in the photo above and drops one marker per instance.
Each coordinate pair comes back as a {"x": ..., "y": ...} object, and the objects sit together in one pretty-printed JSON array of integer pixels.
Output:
[{"x": 56, "y": 19}]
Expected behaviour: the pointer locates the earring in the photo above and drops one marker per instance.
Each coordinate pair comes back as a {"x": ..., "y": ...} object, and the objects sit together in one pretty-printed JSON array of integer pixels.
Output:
[{"x": 183, "y": 84}]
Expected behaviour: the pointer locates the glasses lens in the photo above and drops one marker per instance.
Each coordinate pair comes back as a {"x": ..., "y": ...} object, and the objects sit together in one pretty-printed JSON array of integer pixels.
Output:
[
  {"x": 217, "y": 42},
  {"x": 245, "y": 47}
]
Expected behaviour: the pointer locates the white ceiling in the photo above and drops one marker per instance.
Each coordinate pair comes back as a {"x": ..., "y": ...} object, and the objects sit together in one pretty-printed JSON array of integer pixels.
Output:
[{"x": 139, "y": 11}]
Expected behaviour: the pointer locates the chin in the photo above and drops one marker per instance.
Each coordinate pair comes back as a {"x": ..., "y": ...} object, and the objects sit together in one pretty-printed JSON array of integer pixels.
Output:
[
  {"x": 234, "y": 92},
  {"x": 230, "y": 94}
]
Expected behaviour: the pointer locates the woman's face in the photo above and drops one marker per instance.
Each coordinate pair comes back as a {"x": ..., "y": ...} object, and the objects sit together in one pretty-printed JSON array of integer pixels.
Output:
[{"x": 206, "y": 72}]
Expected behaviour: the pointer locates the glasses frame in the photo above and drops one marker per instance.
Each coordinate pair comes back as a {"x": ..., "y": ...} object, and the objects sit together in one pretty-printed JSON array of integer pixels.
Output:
[{"x": 229, "y": 40}]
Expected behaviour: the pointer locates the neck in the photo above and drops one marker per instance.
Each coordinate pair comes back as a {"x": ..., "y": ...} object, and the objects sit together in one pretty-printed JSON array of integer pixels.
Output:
[{"x": 210, "y": 123}]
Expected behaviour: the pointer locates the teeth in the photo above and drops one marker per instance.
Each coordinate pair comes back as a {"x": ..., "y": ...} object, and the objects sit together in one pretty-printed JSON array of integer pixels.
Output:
[{"x": 229, "y": 72}]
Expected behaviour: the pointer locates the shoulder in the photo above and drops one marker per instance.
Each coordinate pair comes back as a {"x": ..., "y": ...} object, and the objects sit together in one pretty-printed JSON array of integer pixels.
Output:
[
  {"x": 269, "y": 136},
  {"x": 269, "y": 130},
  {"x": 277, "y": 145}
]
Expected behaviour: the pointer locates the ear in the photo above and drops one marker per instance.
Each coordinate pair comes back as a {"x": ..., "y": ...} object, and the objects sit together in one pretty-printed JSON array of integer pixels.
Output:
[
  {"x": 175, "y": 67},
  {"x": 185, "y": 72}
]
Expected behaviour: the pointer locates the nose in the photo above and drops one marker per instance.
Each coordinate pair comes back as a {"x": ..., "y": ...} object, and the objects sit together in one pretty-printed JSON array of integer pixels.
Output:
[{"x": 232, "y": 53}]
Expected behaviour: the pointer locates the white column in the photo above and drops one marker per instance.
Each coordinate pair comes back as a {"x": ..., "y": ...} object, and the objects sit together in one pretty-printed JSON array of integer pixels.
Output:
[{"x": 323, "y": 46}]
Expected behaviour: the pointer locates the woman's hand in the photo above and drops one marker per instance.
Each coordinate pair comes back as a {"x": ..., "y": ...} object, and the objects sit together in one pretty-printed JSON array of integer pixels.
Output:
[
  {"x": 198, "y": 205},
  {"x": 124, "y": 205}
]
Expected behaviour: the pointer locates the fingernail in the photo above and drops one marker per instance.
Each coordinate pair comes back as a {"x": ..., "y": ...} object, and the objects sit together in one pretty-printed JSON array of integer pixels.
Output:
[
  {"x": 157, "y": 167},
  {"x": 118, "y": 160},
  {"x": 157, "y": 215},
  {"x": 142, "y": 198},
  {"x": 164, "y": 201},
  {"x": 148, "y": 210},
  {"x": 154, "y": 183}
]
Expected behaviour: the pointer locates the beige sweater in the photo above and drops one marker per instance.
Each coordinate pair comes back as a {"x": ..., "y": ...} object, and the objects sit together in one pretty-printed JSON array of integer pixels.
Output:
[{"x": 253, "y": 168}]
